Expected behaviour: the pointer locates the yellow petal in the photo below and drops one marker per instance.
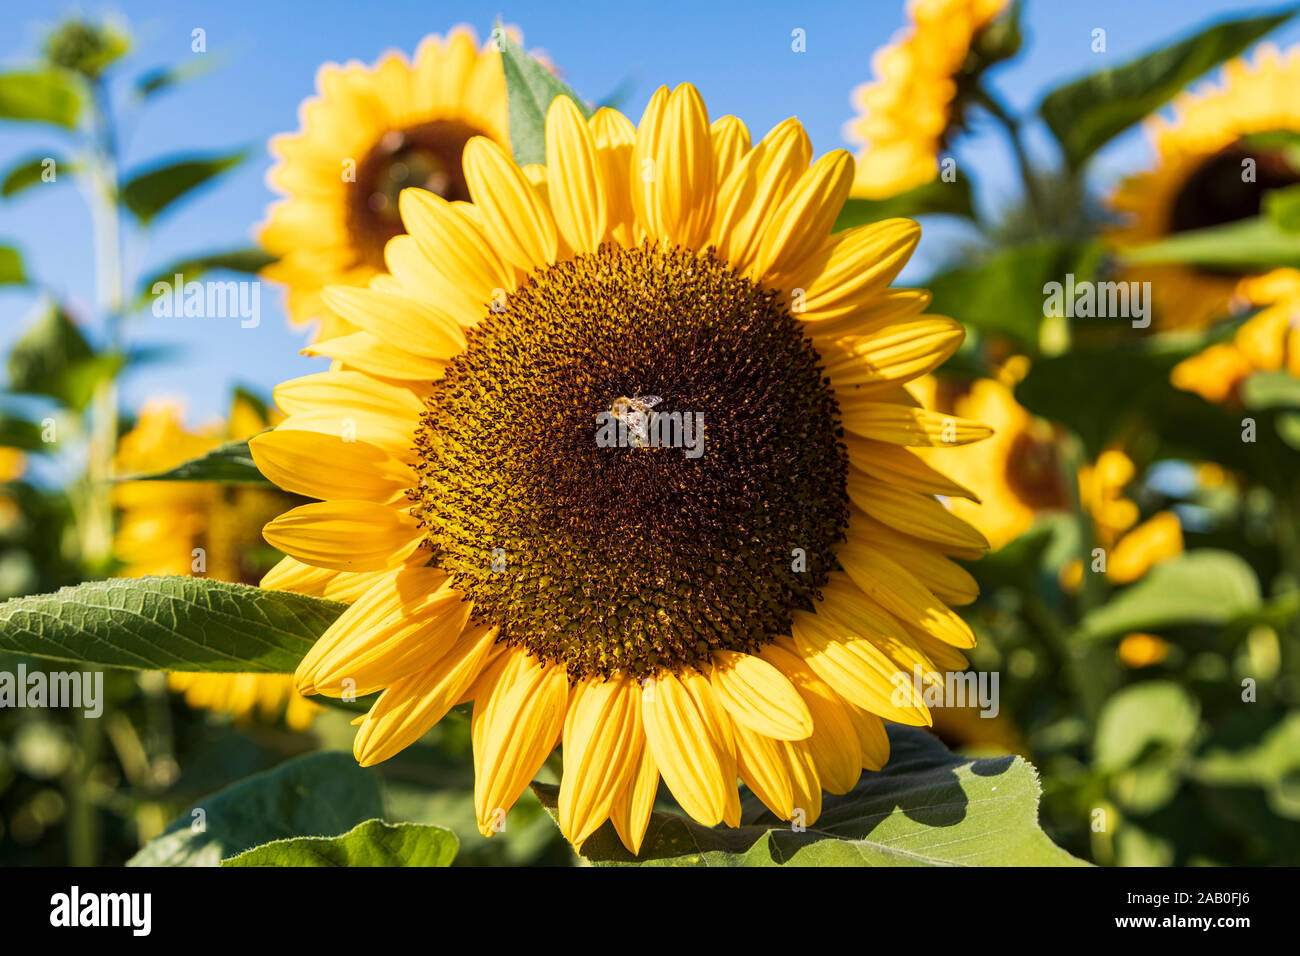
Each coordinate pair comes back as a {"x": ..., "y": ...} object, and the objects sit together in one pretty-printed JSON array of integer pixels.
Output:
[
  {"x": 759, "y": 696},
  {"x": 674, "y": 178},
  {"x": 803, "y": 221},
  {"x": 576, "y": 190},
  {"x": 904, "y": 425},
  {"x": 684, "y": 750},
  {"x": 293, "y": 460},
  {"x": 345, "y": 535},
  {"x": 398, "y": 320},
  {"x": 902, "y": 595},
  {"x": 602, "y": 752},
  {"x": 633, "y": 806},
  {"x": 918, "y": 515},
  {"x": 515, "y": 221}
]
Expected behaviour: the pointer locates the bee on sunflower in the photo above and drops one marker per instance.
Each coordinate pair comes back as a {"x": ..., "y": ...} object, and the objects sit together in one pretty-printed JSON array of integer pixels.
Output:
[
  {"x": 925, "y": 79},
  {"x": 370, "y": 132},
  {"x": 185, "y": 527},
  {"x": 1215, "y": 163},
  {"x": 747, "y": 613}
]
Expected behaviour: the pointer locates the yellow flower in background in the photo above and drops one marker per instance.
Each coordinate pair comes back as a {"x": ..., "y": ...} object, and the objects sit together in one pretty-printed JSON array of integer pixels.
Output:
[
  {"x": 1017, "y": 475},
  {"x": 515, "y": 539},
  {"x": 1130, "y": 551},
  {"x": 370, "y": 132},
  {"x": 906, "y": 115},
  {"x": 1142, "y": 650},
  {"x": 1268, "y": 341},
  {"x": 187, "y": 527},
  {"x": 1200, "y": 176}
]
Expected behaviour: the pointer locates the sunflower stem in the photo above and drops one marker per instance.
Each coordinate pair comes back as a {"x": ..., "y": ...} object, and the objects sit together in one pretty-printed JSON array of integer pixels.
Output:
[{"x": 1015, "y": 136}]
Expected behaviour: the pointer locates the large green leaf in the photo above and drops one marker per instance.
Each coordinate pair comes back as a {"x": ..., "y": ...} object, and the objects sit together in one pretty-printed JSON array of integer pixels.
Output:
[
  {"x": 20, "y": 433},
  {"x": 1003, "y": 294},
  {"x": 1088, "y": 113},
  {"x": 373, "y": 843},
  {"x": 319, "y": 794},
  {"x": 1200, "y": 587},
  {"x": 530, "y": 90},
  {"x": 28, "y": 172},
  {"x": 932, "y": 198},
  {"x": 1270, "y": 390},
  {"x": 150, "y": 192},
  {"x": 928, "y": 807},
  {"x": 45, "y": 96},
  {"x": 248, "y": 261},
  {"x": 231, "y": 463},
  {"x": 1249, "y": 245},
  {"x": 168, "y": 623}
]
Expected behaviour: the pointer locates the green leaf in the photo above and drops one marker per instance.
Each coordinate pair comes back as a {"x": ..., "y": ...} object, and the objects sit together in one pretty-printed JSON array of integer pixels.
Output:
[
  {"x": 1122, "y": 382},
  {"x": 20, "y": 433},
  {"x": 1140, "y": 715},
  {"x": 1248, "y": 245},
  {"x": 248, "y": 261},
  {"x": 1087, "y": 113},
  {"x": 530, "y": 90},
  {"x": 54, "y": 358},
  {"x": 47, "y": 96},
  {"x": 231, "y": 463},
  {"x": 373, "y": 843},
  {"x": 932, "y": 198},
  {"x": 319, "y": 794},
  {"x": 162, "y": 79},
  {"x": 11, "y": 266},
  {"x": 168, "y": 623},
  {"x": 1270, "y": 390},
  {"x": 1282, "y": 207},
  {"x": 148, "y": 193},
  {"x": 30, "y": 171},
  {"x": 928, "y": 807},
  {"x": 1199, "y": 587},
  {"x": 1003, "y": 295}
]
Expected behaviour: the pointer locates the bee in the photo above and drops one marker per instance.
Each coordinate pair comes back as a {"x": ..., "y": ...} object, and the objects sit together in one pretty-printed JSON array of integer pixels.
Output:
[{"x": 635, "y": 413}]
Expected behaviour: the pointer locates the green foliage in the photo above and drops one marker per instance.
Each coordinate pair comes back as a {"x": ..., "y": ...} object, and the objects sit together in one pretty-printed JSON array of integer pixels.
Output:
[
  {"x": 151, "y": 192},
  {"x": 319, "y": 794},
  {"x": 231, "y": 463},
  {"x": 168, "y": 623},
  {"x": 248, "y": 261},
  {"x": 373, "y": 843},
  {"x": 11, "y": 266},
  {"x": 54, "y": 358},
  {"x": 530, "y": 88},
  {"x": 928, "y": 807},
  {"x": 29, "y": 172},
  {"x": 1088, "y": 113},
  {"x": 50, "y": 96}
]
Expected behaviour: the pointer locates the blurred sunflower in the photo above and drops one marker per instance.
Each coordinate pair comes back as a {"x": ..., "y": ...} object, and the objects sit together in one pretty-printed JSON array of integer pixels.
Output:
[
  {"x": 744, "y": 612},
  {"x": 1269, "y": 341},
  {"x": 370, "y": 133},
  {"x": 907, "y": 115},
  {"x": 1130, "y": 551},
  {"x": 1018, "y": 474},
  {"x": 1214, "y": 165},
  {"x": 186, "y": 527}
]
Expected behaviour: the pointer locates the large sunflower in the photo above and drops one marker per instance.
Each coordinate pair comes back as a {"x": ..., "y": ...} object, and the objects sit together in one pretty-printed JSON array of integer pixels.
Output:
[
  {"x": 907, "y": 114},
  {"x": 1213, "y": 166},
  {"x": 186, "y": 527},
  {"x": 738, "y": 612},
  {"x": 371, "y": 132}
]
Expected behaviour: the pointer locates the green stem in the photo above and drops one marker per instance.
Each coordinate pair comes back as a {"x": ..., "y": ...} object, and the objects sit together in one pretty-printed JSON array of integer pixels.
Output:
[{"x": 1015, "y": 135}]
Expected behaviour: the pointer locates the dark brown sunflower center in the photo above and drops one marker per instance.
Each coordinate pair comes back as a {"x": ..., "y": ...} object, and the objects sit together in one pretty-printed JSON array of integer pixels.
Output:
[
  {"x": 710, "y": 519},
  {"x": 1230, "y": 186},
  {"x": 427, "y": 156},
  {"x": 1034, "y": 472}
]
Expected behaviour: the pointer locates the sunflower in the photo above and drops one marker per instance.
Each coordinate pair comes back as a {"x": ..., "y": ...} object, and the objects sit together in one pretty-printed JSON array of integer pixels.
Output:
[
  {"x": 371, "y": 132},
  {"x": 1214, "y": 165},
  {"x": 1268, "y": 341},
  {"x": 187, "y": 527},
  {"x": 12, "y": 465},
  {"x": 1018, "y": 474},
  {"x": 748, "y": 611},
  {"x": 908, "y": 113}
]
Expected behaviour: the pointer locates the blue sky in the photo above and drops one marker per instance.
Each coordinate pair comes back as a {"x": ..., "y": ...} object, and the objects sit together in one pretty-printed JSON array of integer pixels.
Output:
[{"x": 266, "y": 55}]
